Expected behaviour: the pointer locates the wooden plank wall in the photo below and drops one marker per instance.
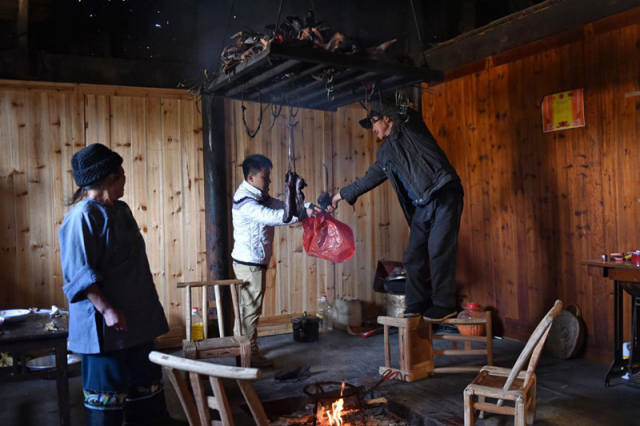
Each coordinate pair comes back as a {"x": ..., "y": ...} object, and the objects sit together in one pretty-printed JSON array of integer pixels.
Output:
[
  {"x": 295, "y": 280},
  {"x": 158, "y": 133},
  {"x": 536, "y": 204}
]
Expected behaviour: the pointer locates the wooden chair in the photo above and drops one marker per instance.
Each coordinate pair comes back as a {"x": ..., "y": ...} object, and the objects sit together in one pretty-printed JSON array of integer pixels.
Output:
[
  {"x": 195, "y": 403},
  {"x": 224, "y": 346},
  {"x": 514, "y": 385}
]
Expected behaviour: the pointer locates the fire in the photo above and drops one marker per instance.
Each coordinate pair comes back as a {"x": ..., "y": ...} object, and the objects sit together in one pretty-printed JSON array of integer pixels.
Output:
[{"x": 335, "y": 414}]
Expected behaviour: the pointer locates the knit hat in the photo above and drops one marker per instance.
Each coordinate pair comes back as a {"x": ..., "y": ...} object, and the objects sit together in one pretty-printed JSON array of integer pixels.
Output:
[{"x": 93, "y": 163}]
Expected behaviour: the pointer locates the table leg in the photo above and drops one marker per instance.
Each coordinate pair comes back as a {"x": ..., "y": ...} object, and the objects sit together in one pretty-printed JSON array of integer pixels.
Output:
[
  {"x": 635, "y": 324},
  {"x": 62, "y": 382},
  {"x": 618, "y": 367}
]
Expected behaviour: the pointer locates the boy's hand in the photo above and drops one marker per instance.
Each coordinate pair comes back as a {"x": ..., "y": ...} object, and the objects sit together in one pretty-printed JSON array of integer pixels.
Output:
[{"x": 313, "y": 210}]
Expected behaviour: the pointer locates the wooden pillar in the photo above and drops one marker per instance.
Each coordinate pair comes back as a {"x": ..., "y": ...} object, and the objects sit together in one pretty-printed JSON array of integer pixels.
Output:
[{"x": 215, "y": 199}]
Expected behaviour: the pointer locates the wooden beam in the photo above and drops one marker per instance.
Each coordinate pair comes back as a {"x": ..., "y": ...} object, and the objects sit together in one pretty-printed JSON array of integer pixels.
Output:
[
  {"x": 242, "y": 88},
  {"x": 560, "y": 19},
  {"x": 359, "y": 62},
  {"x": 287, "y": 82}
]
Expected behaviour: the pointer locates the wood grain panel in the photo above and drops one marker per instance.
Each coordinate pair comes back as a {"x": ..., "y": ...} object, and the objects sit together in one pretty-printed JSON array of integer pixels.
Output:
[
  {"x": 159, "y": 135},
  {"x": 537, "y": 204},
  {"x": 295, "y": 280}
]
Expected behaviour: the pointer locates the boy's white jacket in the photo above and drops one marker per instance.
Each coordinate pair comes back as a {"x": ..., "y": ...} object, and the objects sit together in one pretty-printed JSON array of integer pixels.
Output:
[{"x": 254, "y": 215}]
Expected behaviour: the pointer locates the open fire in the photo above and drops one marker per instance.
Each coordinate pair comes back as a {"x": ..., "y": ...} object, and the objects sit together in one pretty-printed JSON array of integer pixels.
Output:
[
  {"x": 339, "y": 404},
  {"x": 334, "y": 415},
  {"x": 335, "y": 403}
]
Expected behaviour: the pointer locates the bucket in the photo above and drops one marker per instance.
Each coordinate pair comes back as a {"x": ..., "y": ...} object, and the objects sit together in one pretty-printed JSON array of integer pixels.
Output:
[
  {"x": 394, "y": 304},
  {"x": 348, "y": 312}
]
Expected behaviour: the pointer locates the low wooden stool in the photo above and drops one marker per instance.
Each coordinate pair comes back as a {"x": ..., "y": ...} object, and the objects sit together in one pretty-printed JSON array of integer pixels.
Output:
[
  {"x": 416, "y": 352},
  {"x": 487, "y": 339},
  {"x": 415, "y": 338}
]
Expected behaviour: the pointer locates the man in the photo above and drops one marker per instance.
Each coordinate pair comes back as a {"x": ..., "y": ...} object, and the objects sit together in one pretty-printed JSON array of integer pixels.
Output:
[
  {"x": 254, "y": 215},
  {"x": 430, "y": 193}
]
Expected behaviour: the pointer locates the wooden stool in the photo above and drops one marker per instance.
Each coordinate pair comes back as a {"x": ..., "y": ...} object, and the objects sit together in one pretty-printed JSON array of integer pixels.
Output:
[
  {"x": 416, "y": 352},
  {"x": 415, "y": 340},
  {"x": 466, "y": 340}
]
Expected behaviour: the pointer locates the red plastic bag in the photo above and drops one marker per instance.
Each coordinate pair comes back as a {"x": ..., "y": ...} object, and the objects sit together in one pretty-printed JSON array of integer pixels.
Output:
[{"x": 327, "y": 238}]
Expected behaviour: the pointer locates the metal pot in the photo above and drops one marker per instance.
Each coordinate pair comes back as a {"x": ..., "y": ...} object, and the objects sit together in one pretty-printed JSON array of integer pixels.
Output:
[{"x": 305, "y": 328}]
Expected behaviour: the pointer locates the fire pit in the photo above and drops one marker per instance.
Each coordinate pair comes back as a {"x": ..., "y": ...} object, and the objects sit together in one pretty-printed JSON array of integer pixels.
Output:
[{"x": 335, "y": 402}]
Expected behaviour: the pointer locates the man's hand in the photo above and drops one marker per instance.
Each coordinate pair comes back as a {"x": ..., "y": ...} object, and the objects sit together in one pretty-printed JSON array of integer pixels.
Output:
[{"x": 334, "y": 202}]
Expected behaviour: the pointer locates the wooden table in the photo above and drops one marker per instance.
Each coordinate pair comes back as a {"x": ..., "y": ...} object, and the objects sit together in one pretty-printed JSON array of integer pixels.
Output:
[
  {"x": 625, "y": 277},
  {"x": 30, "y": 334}
]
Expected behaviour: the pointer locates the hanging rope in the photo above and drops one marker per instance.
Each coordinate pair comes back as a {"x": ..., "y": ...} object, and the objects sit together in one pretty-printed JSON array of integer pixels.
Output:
[
  {"x": 275, "y": 113},
  {"x": 418, "y": 32},
  {"x": 250, "y": 133},
  {"x": 226, "y": 32},
  {"x": 278, "y": 18},
  {"x": 292, "y": 150}
]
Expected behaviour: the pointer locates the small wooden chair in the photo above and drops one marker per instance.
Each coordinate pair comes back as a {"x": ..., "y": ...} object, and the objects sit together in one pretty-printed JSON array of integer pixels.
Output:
[
  {"x": 196, "y": 405},
  {"x": 219, "y": 347},
  {"x": 510, "y": 384}
]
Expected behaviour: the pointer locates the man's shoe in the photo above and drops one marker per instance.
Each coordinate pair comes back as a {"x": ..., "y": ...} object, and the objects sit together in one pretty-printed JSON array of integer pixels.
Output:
[
  {"x": 439, "y": 313},
  {"x": 408, "y": 315},
  {"x": 260, "y": 361}
]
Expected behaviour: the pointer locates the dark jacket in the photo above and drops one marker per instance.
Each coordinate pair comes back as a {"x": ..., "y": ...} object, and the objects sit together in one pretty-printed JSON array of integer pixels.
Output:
[{"x": 414, "y": 154}]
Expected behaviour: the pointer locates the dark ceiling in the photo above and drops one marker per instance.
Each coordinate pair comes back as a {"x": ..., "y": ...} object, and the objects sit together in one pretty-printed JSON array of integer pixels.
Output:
[{"x": 192, "y": 33}]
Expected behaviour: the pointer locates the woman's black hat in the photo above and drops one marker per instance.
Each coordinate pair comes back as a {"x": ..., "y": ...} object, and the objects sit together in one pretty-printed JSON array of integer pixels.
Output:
[{"x": 93, "y": 163}]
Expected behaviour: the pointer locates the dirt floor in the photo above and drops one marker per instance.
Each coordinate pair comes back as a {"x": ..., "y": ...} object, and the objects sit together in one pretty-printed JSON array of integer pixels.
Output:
[{"x": 569, "y": 392}]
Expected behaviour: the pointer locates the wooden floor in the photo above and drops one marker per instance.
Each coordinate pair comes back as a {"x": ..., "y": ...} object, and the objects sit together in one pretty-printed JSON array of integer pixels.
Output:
[{"x": 569, "y": 392}]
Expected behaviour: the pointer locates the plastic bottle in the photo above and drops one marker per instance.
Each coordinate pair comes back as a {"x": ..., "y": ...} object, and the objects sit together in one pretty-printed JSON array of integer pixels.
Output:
[
  {"x": 322, "y": 313},
  {"x": 197, "y": 325},
  {"x": 329, "y": 317}
]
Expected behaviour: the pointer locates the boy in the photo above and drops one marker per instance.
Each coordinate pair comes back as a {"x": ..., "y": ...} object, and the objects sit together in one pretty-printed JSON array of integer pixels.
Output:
[{"x": 254, "y": 215}]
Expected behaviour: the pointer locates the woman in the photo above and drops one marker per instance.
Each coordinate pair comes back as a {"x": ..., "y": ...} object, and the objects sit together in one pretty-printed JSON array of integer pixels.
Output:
[{"x": 114, "y": 311}]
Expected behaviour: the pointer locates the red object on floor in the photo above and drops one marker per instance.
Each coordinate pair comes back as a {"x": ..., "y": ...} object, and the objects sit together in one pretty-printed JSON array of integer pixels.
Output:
[{"x": 327, "y": 238}]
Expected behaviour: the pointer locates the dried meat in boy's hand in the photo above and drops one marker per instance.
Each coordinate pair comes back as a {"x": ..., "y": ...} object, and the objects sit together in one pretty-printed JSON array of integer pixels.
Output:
[{"x": 293, "y": 196}]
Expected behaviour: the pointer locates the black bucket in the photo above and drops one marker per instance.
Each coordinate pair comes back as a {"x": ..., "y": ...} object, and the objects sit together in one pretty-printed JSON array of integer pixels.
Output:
[{"x": 305, "y": 328}]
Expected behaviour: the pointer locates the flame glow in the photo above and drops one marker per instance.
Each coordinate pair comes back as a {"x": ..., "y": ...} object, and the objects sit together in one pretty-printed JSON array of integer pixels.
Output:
[{"x": 335, "y": 414}]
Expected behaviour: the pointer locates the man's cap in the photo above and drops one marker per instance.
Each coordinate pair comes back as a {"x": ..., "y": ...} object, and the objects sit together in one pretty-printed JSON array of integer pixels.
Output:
[{"x": 379, "y": 110}]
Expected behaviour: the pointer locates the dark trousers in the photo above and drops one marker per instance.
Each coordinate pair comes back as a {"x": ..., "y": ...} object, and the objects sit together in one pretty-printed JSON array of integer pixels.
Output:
[
  {"x": 123, "y": 384},
  {"x": 433, "y": 244}
]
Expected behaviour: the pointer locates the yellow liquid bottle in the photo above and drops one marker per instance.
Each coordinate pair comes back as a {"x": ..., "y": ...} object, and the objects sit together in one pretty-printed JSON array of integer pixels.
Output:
[{"x": 197, "y": 325}]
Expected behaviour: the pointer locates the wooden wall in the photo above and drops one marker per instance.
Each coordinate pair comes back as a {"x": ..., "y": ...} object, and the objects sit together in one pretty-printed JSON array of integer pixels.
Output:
[
  {"x": 295, "y": 280},
  {"x": 537, "y": 205},
  {"x": 158, "y": 133}
]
